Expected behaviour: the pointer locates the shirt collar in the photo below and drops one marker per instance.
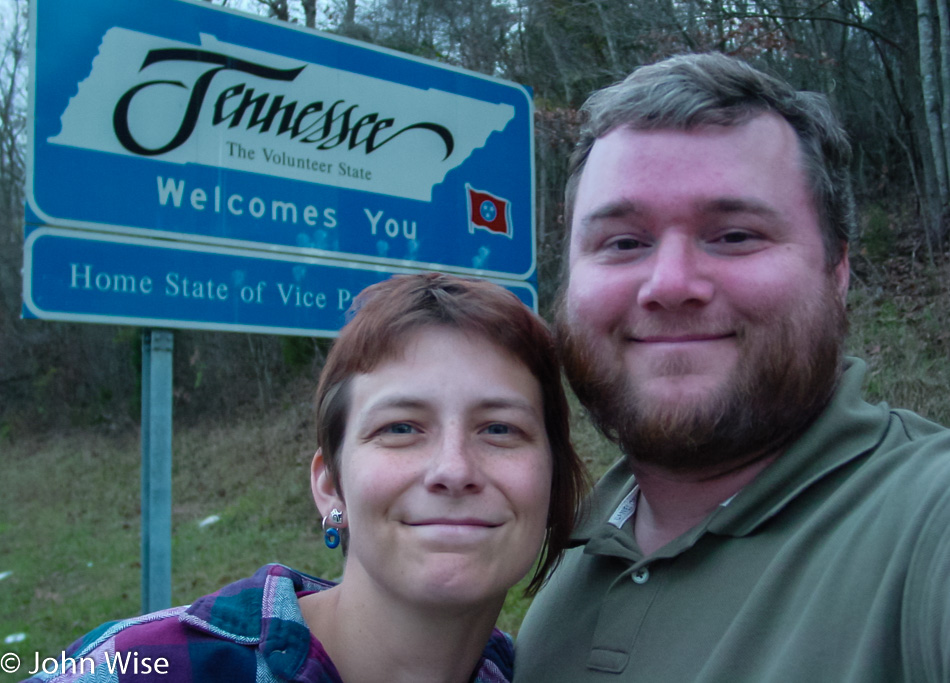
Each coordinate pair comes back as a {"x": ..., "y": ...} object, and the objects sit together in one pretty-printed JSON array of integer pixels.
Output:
[
  {"x": 262, "y": 610},
  {"x": 846, "y": 429}
]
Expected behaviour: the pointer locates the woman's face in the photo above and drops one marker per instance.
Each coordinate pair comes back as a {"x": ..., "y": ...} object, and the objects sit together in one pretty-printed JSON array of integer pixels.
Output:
[{"x": 445, "y": 472}]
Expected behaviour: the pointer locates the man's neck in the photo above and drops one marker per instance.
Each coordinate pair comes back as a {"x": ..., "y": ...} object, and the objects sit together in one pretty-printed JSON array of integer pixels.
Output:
[{"x": 672, "y": 503}]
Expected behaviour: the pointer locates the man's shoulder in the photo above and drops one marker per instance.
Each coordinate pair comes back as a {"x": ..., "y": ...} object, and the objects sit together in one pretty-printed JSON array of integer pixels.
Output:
[
  {"x": 914, "y": 457},
  {"x": 914, "y": 445},
  {"x": 919, "y": 428},
  {"x": 872, "y": 446},
  {"x": 902, "y": 485}
]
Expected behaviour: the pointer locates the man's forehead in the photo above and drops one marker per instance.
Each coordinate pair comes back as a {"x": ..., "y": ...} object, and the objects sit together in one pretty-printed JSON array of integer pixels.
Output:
[
  {"x": 766, "y": 123},
  {"x": 627, "y": 157}
]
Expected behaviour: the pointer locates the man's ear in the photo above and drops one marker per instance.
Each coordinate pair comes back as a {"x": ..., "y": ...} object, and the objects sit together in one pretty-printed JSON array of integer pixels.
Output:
[
  {"x": 843, "y": 274},
  {"x": 324, "y": 490}
]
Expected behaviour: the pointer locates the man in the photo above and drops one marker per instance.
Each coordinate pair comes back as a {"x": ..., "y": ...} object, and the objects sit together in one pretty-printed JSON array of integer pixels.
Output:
[{"x": 766, "y": 524}]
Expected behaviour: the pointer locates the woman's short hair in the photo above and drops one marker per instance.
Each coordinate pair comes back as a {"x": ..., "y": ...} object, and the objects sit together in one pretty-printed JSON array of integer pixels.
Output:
[
  {"x": 687, "y": 91},
  {"x": 386, "y": 314}
]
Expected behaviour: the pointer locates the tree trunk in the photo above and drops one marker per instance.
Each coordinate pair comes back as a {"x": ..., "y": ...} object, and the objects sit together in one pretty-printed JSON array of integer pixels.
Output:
[
  {"x": 556, "y": 54},
  {"x": 943, "y": 27},
  {"x": 309, "y": 12},
  {"x": 615, "y": 70},
  {"x": 931, "y": 92}
]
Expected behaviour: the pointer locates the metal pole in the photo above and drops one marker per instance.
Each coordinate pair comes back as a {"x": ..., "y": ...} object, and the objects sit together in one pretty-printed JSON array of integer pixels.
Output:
[
  {"x": 146, "y": 423},
  {"x": 157, "y": 348}
]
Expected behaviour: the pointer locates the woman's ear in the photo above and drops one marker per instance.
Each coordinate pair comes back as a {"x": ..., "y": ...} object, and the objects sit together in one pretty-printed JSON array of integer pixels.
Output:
[{"x": 324, "y": 490}]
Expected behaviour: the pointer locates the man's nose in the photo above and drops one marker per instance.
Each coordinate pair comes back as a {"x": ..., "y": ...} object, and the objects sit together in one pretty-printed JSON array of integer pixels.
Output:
[
  {"x": 676, "y": 276},
  {"x": 454, "y": 467}
]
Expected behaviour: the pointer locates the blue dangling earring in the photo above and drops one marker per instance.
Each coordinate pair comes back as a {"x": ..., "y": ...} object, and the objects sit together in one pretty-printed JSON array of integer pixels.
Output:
[{"x": 331, "y": 535}]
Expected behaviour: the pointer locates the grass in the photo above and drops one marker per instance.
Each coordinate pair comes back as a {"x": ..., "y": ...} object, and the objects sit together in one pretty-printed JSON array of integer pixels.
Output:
[
  {"x": 69, "y": 512},
  {"x": 69, "y": 521},
  {"x": 901, "y": 327}
]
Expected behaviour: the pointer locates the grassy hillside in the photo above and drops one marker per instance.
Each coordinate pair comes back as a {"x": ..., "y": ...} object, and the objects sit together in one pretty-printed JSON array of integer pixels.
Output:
[{"x": 69, "y": 510}]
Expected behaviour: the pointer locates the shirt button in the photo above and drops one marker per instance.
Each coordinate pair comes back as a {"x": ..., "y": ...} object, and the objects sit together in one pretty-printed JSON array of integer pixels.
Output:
[{"x": 641, "y": 576}]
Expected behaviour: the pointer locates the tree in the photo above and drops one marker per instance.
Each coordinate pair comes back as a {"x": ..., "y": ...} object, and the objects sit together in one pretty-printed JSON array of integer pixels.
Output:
[
  {"x": 13, "y": 65},
  {"x": 935, "y": 83}
]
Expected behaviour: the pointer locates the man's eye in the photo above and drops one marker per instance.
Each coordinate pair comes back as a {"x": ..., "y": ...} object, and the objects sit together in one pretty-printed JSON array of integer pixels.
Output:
[
  {"x": 626, "y": 244},
  {"x": 735, "y": 237}
]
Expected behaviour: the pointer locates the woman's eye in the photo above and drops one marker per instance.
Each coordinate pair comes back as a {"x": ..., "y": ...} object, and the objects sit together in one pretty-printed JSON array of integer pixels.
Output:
[
  {"x": 507, "y": 433},
  {"x": 399, "y": 428},
  {"x": 498, "y": 428}
]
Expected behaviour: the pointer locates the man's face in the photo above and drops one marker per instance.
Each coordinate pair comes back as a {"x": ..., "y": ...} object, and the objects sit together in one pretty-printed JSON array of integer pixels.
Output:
[{"x": 702, "y": 322}]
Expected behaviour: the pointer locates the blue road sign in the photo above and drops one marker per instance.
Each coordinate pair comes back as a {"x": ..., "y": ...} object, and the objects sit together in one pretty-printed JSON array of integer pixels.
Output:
[
  {"x": 76, "y": 275},
  {"x": 178, "y": 120}
]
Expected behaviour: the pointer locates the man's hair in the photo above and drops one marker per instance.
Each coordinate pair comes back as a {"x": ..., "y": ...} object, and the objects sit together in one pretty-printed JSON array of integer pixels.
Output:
[
  {"x": 388, "y": 313},
  {"x": 687, "y": 91}
]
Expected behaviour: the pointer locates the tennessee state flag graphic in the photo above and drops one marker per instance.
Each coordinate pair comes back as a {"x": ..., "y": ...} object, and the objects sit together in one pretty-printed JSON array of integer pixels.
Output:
[{"x": 488, "y": 212}]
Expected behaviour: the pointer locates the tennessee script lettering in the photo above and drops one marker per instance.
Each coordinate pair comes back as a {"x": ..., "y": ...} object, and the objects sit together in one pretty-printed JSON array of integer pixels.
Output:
[{"x": 325, "y": 127}]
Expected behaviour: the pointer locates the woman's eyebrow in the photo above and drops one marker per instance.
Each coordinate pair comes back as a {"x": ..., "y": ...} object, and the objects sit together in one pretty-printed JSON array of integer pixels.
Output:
[
  {"x": 522, "y": 404},
  {"x": 396, "y": 401},
  {"x": 413, "y": 402}
]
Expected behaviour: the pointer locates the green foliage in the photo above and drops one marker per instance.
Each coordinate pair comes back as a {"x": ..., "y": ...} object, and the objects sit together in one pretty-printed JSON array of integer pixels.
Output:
[
  {"x": 878, "y": 239},
  {"x": 298, "y": 352},
  {"x": 129, "y": 340},
  {"x": 44, "y": 382}
]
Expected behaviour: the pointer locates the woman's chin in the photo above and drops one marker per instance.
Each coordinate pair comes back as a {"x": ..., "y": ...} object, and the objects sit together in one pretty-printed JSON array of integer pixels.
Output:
[{"x": 449, "y": 583}]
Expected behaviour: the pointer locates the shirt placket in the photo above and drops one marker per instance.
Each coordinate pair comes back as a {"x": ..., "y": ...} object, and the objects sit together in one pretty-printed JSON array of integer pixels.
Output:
[{"x": 623, "y": 613}]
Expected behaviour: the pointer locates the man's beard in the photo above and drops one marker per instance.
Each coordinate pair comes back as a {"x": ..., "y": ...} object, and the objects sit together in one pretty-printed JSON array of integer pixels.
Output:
[{"x": 787, "y": 370}]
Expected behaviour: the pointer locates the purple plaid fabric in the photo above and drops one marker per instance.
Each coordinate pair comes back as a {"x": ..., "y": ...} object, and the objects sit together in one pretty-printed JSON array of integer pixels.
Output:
[{"x": 250, "y": 631}]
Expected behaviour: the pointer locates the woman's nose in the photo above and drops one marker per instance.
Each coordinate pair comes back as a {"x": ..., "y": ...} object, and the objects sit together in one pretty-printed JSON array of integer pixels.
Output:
[{"x": 454, "y": 468}]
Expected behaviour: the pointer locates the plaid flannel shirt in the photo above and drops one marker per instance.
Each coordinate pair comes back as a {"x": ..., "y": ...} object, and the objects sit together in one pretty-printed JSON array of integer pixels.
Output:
[{"x": 249, "y": 631}]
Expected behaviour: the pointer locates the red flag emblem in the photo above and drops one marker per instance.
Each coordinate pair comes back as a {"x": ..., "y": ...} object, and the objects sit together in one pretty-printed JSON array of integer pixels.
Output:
[{"x": 488, "y": 212}]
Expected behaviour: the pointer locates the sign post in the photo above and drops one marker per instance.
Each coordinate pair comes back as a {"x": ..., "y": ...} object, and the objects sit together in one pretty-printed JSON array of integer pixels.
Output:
[{"x": 157, "y": 348}]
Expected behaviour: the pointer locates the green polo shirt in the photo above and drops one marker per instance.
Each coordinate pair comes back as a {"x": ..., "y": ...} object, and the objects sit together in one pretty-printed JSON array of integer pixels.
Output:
[{"x": 832, "y": 565}]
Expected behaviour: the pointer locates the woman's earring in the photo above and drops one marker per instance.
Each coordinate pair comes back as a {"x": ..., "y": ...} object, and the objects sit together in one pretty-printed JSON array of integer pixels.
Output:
[{"x": 331, "y": 535}]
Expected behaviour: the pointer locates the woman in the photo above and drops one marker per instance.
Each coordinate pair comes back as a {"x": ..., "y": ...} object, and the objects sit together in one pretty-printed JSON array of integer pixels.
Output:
[{"x": 444, "y": 466}]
